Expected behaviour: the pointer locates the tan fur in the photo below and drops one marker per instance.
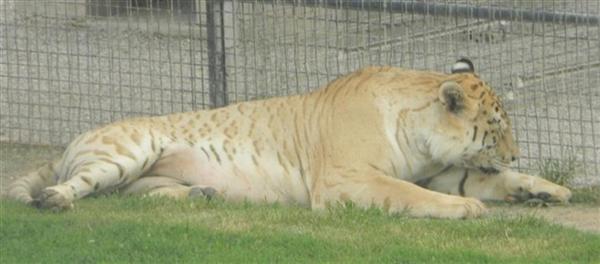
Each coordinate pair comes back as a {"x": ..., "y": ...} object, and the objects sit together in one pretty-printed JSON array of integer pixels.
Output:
[{"x": 366, "y": 137}]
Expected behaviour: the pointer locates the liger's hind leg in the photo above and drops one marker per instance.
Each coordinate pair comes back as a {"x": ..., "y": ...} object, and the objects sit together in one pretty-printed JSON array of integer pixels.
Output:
[
  {"x": 101, "y": 161},
  {"x": 99, "y": 175}
]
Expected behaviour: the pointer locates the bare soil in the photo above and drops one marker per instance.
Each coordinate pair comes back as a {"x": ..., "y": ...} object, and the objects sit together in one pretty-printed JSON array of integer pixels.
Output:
[{"x": 17, "y": 159}]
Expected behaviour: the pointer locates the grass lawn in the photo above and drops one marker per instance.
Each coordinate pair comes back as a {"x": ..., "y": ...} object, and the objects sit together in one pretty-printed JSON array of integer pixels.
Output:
[{"x": 116, "y": 229}]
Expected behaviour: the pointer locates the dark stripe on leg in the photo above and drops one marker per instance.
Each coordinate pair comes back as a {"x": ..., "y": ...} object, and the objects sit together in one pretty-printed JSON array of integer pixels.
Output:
[
  {"x": 87, "y": 180},
  {"x": 205, "y": 153},
  {"x": 474, "y": 133},
  {"x": 212, "y": 149},
  {"x": 425, "y": 182},
  {"x": 485, "y": 134},
  {"x": 461, "y": 185}
]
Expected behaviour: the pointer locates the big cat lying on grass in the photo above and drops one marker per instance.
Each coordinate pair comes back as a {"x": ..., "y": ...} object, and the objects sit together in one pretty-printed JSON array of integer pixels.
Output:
[{"x": 424, "y": 143}]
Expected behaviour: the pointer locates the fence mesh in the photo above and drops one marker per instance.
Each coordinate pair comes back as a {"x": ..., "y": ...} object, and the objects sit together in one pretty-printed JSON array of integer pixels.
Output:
[{"x": 67, "y": 66}]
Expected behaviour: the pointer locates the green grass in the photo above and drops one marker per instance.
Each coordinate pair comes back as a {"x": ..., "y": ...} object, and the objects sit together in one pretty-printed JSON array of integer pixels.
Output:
[
  {"x": 116, "y": 229},
  {"x": 586, "y": 195},
  {"x": 560, "y": 171}
]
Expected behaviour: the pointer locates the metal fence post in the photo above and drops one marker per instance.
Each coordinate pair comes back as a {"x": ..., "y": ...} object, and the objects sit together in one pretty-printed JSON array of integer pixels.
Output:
[{"x": 217, "y": 71}]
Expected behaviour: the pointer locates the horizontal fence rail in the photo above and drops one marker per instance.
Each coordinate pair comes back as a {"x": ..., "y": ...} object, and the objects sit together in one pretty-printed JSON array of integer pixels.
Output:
[{"x": 453, "y": 10}]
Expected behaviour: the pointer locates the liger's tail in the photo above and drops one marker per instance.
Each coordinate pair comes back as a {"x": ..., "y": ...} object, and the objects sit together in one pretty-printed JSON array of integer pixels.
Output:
[{"x": 25, "y": 189}]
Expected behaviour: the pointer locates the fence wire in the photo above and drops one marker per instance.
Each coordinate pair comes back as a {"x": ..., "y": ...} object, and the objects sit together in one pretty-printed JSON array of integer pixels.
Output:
[{"x": 67, "y": 66}]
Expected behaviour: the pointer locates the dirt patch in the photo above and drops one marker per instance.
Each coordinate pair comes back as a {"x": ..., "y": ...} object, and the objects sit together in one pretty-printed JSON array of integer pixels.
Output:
[{"x": 16, "y": 160}]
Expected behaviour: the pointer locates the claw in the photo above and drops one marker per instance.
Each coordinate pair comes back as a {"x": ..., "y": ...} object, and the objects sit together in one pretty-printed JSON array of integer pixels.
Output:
[
  {"x": 536, "y": 202},
  {"x": 207, "y": 192},
  {"x": 522, "y": 196},
  {"x": 544, "y": 196},
  {"x": 36, "y": 203}
]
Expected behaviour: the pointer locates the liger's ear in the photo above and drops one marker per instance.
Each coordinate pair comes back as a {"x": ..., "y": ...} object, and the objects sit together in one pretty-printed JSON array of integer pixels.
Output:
[
  {"x": 452, "y": 95},
  {"x": 462, "y": 65}
]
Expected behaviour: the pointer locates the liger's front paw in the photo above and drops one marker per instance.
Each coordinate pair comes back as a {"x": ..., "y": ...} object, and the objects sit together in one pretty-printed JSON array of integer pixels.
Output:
[
  {"x": 531, "y": 187},
  {"x": 453, "y": 207},
  {"x": 471, "y": 208}
]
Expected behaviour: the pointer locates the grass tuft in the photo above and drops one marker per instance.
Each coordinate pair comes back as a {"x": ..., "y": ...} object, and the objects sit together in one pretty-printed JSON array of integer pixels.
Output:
[
  {"x": 560, "y": 171},
  {"x": 587, "y": 195}
]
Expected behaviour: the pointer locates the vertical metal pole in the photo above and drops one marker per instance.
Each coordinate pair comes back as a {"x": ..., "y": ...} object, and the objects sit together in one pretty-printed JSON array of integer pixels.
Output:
[{"x": 217, "y": 71}]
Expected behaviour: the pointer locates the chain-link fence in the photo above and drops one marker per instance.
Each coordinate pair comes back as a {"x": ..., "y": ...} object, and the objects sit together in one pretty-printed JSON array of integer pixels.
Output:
[{"x": 67, "y": 66}]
